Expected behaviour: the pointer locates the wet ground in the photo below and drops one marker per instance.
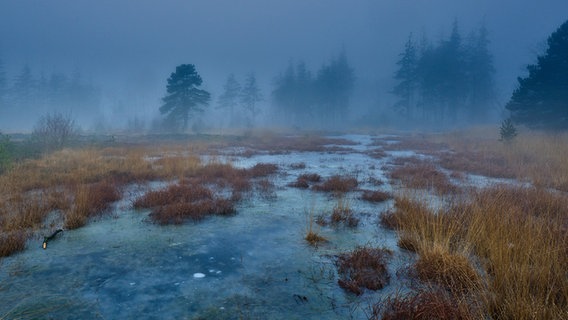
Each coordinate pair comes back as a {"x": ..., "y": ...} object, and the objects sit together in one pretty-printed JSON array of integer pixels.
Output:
[{"x": 254, "y": 265}]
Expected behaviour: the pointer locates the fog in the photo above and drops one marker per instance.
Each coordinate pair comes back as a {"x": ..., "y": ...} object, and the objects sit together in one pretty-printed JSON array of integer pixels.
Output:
[{"x": 122, "y": 52}]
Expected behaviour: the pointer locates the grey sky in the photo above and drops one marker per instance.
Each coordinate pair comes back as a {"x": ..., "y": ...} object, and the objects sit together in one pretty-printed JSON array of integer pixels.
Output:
[{"x": 127, "y": 45}]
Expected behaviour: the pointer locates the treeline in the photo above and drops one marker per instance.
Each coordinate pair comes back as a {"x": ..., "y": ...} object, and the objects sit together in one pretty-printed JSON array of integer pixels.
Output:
[
  {"x": 448, "y": 81},
  {"x": 30, "y": 94},
  {"x": 299, "y": 97},
  {"x": 241, "y": 102}
]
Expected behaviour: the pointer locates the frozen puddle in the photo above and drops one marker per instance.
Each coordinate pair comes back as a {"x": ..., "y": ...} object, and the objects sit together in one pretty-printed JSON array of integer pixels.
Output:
[{"x": 252, "y": 265}]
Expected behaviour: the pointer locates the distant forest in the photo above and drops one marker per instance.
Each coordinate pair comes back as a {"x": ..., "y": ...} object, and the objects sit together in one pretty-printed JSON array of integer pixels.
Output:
[{"x": 444, "y": 83}]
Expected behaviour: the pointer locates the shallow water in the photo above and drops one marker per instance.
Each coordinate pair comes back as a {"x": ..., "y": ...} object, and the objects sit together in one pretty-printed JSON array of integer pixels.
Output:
[{"x": 254, "y": 265}]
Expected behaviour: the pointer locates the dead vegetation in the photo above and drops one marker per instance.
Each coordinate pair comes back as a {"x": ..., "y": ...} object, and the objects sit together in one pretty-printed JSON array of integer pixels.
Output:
[
  {"x": 375, "y": 196},
  {"x": 337, "y": 184},
  {"x": 517, "y": 235},
  {"x": 425, "y": 304},
  {"x": 423, "y": 175},
  {"x": 363, "y": 268}
]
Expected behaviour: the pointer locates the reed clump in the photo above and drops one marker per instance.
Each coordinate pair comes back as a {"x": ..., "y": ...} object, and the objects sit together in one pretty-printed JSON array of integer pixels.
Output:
[{"x": 363, "y": 268}]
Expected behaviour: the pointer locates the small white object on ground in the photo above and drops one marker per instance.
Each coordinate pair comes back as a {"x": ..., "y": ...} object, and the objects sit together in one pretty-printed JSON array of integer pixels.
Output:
[{"x": 198, "y": 275}]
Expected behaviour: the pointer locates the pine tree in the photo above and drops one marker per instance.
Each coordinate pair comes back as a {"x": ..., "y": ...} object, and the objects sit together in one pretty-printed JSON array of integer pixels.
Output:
[
  {"x": 480, "y": 75},
  {"x": 250, "y": 97},
  {"x": 541, "y": 99},
  {"x": 183, "y": 96},
  {"x": 406, "y": 75},
  {"x": 230, "y": 97}
]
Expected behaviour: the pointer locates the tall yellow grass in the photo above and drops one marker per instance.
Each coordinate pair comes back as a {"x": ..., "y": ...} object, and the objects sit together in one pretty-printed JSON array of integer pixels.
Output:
[{"x": 508, "y": 246}]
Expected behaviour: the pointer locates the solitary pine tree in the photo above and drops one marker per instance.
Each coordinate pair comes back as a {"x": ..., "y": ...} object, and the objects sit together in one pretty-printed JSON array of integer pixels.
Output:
[
  {"x": 541, "y": 99},
  {"x": 183, "y": 96}
]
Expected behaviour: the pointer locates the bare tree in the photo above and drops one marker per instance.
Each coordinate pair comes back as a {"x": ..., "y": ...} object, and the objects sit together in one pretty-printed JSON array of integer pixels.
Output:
[{"x": 53, "y": 131}]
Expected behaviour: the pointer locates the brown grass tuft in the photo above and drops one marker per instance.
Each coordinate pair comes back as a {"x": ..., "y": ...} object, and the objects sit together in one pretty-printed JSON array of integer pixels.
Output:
[
  {"x": 423, "y": 176},
  {"x": 262, "y": 170},
  {"x": 303, "y": 181},
  {"x": 343, "y": 214},
  {"x": 12, "y": 242},
  {"x": 363, "y": 268},
  {"x": 90, "y": 200},
  {"x": 337, "y": 184},
  {"x": 375, "y": 196},
  {"x": 422, "y": 305},
  {"x": 179, "y": 212},
  {"x": 451, "y": 271}
]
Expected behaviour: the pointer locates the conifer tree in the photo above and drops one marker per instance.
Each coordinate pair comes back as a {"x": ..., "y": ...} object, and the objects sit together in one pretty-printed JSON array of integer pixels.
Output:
[{"x": 541, "y": 99}]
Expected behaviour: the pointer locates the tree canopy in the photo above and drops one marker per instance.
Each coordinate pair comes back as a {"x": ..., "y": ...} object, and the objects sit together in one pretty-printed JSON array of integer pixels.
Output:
[
  {"x": 541, "y": 98},
  {"x": 183, "y": 96}
]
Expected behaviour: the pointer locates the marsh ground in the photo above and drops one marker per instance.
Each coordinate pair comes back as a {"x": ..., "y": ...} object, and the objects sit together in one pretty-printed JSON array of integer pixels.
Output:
[{"x": 117, "y": 259}]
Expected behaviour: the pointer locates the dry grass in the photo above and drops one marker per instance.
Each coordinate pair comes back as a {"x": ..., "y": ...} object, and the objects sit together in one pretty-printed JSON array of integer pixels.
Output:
[
  {"x": 181, "y": 202},
  {"x": 337, "y": 184},
  {"x": 423, "y": 175},
  {"x": 342, "y": 214},
  {"x": 364, "y": 267},
  {"x": 90, "y": 200},
  {"x": 179, "y": 212},
  {"x": 519, "y": 235},
  {"x": 425, "y": 304},
  {"x": 12, "y": 242},
  {"x": 451, "y": 271},
  {"x": 304, "y": 180},
  {"x": 375, "y": 196},
  {"x": 534, "y": 156}
]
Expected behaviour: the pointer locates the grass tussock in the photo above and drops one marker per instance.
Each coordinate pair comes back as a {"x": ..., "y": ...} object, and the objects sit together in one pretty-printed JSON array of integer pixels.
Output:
[
  {"x": 363, "y": 268},
  {"x": 305, "y": 180},
  {"x": 314, "y": 239},
  {"x": 337, "y": 184},
  {"x": 182, "y": 202},
  {"x": 451, "y": 271},
  {"x": 423, "y": 175},
  {"x": 12, "y": 242},
  {"x": 90, "y": 200},
  {"x": 375, "y": 196},
  {"x": 425, "y": 304},
  {"x": 519, "y": 237},
  {"x": 343, "y": 214}
]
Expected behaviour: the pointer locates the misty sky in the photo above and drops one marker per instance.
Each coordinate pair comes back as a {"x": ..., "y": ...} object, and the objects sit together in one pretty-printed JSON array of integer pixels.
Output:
[{"x": 129, "y": 47}]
